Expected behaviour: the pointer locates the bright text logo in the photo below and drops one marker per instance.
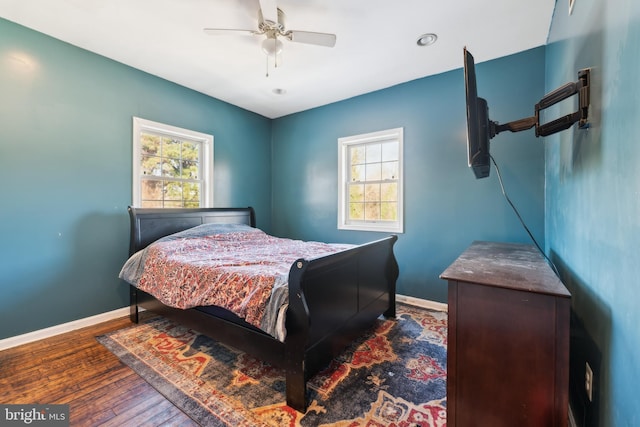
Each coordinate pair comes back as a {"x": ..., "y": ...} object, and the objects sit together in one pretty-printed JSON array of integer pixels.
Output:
[{"x": 35, "y": 415}]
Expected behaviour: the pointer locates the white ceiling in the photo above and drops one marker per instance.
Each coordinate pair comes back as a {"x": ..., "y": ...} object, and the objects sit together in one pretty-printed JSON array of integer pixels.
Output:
[{"x": 376, "y": 42}]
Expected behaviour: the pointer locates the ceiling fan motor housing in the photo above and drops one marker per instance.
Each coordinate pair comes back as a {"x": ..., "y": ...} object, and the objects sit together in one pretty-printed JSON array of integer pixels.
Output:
[{"x": 268, "y": 27}]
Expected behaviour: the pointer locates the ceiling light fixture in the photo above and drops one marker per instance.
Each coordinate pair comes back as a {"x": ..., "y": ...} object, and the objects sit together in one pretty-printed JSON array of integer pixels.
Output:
[
  {"x": 271, "y": 25},
  {"x": 271, "y": 47},
  {"x": 427, "y": 39}
]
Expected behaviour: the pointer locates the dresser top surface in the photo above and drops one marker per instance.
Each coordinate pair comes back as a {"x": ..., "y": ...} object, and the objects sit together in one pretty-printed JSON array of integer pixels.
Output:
[{"x": 507, "y": 265}]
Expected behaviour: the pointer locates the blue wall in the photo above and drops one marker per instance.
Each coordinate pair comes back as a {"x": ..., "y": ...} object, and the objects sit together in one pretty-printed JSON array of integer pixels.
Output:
[
  {"x": 446, "y": 208},
  {"x": 65, "y": 168},
  {"x": 593, "y": 192}
]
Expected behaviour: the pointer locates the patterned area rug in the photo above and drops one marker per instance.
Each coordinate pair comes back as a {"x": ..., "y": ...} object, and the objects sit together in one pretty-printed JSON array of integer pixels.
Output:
[{"x": 393, "y": 376}]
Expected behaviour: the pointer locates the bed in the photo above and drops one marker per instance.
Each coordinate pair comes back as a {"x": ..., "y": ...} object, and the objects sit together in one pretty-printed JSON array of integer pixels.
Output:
[{"x": 333, "y": 299}]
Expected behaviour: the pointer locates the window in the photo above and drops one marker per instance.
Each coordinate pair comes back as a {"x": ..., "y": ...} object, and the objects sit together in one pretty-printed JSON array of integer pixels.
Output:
[
  {"x": 172, "y": 167},
  {"x": 370, "y": 182}
]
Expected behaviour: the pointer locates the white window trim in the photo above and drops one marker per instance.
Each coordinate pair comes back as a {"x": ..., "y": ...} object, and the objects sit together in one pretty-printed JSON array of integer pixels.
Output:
[
  {"x": 343, "y": 173},
  {"x": 142, "y": 125}
]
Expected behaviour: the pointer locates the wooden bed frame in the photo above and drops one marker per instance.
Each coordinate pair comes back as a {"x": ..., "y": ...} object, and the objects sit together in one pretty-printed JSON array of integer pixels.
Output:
[{"x": 333, "y": 299}]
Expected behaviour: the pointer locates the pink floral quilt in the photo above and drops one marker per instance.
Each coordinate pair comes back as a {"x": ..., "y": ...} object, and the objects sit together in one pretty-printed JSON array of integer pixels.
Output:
[{"x": 234, "y": 267}]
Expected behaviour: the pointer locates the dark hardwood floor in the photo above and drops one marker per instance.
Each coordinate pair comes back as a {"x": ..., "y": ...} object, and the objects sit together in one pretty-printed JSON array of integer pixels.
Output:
[{"x": 74, "y": 369}]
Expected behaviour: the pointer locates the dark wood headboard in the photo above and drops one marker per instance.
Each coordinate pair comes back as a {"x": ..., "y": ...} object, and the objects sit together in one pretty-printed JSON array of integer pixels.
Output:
[{"x": 148, "y": 225}]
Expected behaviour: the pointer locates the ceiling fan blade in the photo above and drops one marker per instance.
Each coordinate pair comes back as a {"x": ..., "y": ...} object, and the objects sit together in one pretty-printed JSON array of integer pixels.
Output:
[
  {"x": 269, "y": 10},
  {"x": 309, "y": 37},
  {"x": 229, "y": 31}
]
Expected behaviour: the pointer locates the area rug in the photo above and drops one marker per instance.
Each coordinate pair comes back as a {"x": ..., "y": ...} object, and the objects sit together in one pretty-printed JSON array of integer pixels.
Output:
[{"x": 395, "y": 375}]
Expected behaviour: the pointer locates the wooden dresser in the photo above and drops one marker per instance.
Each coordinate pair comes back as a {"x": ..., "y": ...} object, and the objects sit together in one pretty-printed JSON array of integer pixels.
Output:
[{"x": 508, "y": 339}]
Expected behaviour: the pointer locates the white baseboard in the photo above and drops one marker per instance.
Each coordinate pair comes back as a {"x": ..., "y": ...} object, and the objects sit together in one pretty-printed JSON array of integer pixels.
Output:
[
  {"x": 61, "y": 329},
  {"x": 424, "y": 303}
]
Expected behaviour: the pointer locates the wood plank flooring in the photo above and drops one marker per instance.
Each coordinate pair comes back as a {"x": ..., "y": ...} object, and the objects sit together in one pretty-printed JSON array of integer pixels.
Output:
[{"x": 75, "y": 369}]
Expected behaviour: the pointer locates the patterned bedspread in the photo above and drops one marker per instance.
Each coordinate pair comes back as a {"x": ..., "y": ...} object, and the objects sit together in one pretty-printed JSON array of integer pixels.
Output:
[{"x": 237, "y": 267}]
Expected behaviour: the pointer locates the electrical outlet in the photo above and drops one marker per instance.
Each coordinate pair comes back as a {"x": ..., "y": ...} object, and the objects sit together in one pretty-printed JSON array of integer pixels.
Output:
[{"x": 588, "y": 381}]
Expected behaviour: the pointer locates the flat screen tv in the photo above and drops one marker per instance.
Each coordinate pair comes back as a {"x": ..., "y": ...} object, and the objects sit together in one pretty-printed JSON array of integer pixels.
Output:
[{"x": 478, "y": 128}]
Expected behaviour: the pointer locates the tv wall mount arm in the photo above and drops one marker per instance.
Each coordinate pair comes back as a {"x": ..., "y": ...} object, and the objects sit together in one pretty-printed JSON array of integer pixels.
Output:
[{"x": 581, "y": 87}]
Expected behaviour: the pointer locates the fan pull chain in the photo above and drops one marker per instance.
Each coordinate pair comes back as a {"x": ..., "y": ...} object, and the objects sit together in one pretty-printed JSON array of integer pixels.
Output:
[{"x": 268, "y": 53}]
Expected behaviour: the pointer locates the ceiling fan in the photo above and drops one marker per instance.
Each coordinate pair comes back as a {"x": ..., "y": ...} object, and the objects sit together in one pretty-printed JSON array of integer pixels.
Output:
[{"x": 271, "y": 23}]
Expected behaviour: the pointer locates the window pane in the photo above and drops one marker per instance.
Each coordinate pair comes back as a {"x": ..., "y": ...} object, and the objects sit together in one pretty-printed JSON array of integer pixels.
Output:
[
  {"x": 190, "y": 150},
  {"x": 374, "y": 153},
  {"x": 356, "y": 155},
  {"x": 189, "y": 170},
  {"x": 389, "y": 211},
  {"x": 171, "y": 148},
  {"x": 191, "y": 192},
  {"x": 357, "y": 173},
  {"x": 356, "y": 193},
  {"x": 151, "y": 165},
  {"x": 389, "y": 192},
  {"x": 356, "y": 211},
  {"x": 151, "y": 190},
  {"x": 171, "y": 168},
  {"x": 374, "y": 172},
  {"x": 173, "y": 204},
  {"x": 150, "y": 144},
  {"x": 173, "y": 191},
  {"x": 390, "y": 170},
  {"x": 372, "y": 211},
  {"x": 390, "y": 151},
  {"x": 372, "y": 192}
]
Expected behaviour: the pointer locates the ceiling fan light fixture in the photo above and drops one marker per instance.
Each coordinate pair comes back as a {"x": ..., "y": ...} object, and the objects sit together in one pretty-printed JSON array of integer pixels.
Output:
[
  {"x": 271, "y": 47},
  {"x": 427, "y": 39},
  {"x": 271, "y": 25}
]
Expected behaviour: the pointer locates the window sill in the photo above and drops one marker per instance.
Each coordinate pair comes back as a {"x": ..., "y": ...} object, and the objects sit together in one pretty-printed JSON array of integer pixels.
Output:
[{"x": 395, "y": 229}]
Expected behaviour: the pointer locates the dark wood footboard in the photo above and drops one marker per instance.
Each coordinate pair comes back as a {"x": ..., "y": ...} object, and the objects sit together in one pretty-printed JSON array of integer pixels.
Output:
[{"x": 332, "y": 299}]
